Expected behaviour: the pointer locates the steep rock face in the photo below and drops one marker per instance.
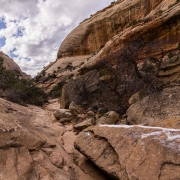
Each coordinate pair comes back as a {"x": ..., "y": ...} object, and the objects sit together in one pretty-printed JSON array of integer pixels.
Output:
[
  {"x": 11, "y": 65},
  {"x": 93, "y": 33},
  {"x": 106, "y": 33},
  {"x": 132, "y": 152},
  {"x": 159, "y": 32}
]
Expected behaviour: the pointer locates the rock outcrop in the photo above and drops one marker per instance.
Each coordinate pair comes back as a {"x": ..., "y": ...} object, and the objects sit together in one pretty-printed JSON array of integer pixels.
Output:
[
  {"x": 132, "y": 152},
  {"x": 130, "y": 45},
  {"x": 93, "y": 33},
  {"x": 161, "y": 105},
  {"x": 9, "y": 64}
]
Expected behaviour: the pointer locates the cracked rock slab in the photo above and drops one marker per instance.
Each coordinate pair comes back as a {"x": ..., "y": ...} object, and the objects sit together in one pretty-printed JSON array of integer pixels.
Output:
[{"x": 132, "y": 152}]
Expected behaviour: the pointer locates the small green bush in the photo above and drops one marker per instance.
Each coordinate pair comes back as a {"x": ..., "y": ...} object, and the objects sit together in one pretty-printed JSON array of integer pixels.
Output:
[
  {"x": 20, "y": 90},
  {"x": 57, "y": 90}
]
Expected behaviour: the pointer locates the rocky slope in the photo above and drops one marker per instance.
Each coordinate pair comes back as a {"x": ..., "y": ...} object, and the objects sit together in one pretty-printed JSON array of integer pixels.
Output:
[
  {"x": 11, "y": 65},
  {"x": 34, "y": 145}
]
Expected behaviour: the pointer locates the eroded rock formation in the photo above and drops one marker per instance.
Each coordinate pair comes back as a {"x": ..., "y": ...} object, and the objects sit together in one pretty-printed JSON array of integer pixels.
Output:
[
  {"x": 156, "y": 107},
  {"x": 93, "y": 33},
  {"x": 123, "y": 43},
  {"x": 132, "y": 152},
  {"x": 127, "y": 52}
]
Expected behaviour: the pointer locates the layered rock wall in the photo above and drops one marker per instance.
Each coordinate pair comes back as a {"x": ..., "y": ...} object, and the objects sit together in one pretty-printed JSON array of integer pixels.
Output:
[{"x": 92, "y": 34}]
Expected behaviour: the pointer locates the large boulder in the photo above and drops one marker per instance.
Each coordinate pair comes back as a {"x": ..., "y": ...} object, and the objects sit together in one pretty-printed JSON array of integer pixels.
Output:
[
  {"x": 132, "y": 152},
  {"x": 75, "y": 109},
  {"x": 161, "y": 105},
  {"x": 83, "y": 125},
  {"x": 63, "y": 115}
]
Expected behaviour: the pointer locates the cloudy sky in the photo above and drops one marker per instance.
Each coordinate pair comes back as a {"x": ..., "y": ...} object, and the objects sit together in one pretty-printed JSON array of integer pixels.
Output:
[{"x": 31, "y": 31}]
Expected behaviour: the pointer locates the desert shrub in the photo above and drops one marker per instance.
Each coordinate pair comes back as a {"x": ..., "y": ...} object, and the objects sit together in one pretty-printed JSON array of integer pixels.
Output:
[
  {"x": 133, "y": 22},
  {"x": 37, "y": 78},
  {"x": 69, "y": 66},
  {"x": 103, "y": 110},
  {"x": 179, "y": 45},
  {"x": 147, "y": 19},
  {"x": 170, "y": 55},
  {"x": 70, "y": 76},
  {"x": 101, "y": 47},
  {"x": 54, "y": 75},
  {"x": 57, "y": 90},
  {"x": 103, "y": 72},
  {"x": 20, "y": 90}
]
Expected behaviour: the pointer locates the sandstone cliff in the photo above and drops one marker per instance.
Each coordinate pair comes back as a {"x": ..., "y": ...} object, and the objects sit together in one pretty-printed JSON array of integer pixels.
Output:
[
  {"x": 93, "y": 33},
  {"x": 118, "y": 74},
  {"x": 106, "y": 33}
]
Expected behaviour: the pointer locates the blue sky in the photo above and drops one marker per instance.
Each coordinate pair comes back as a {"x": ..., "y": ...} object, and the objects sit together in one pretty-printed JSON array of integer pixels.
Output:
[
  {"x": 2, "y": 39},
  {"x": 32, "y": 31}
]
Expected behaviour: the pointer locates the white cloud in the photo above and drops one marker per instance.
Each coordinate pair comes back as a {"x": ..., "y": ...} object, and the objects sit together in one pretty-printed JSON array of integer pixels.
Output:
[{"x": 35, "y": 28}]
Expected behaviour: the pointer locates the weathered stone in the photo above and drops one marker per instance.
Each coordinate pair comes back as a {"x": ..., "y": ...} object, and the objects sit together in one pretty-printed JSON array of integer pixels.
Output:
[
  {"x": 64, "y": 115},
  {"x": 84, "y": 124},
  {"x": 100, "y": 112},
  {"x": 169, "y": 71},
  {"x": 92, "y": 34},
  {"x": 110, "y": 117},
  {"x": 31, "y": 145},
  {"x": 132, "y": 152},
  {"x": 75, "y": 109},
  {"x": 68, "y": 141},
  {"x": 167, "y": 123},
  {"x": 91, "y": 113},
  {"x": 88, "y": 167},
  {"x": 134, "y": 98},
  {"x": 156, "y": 107}
]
